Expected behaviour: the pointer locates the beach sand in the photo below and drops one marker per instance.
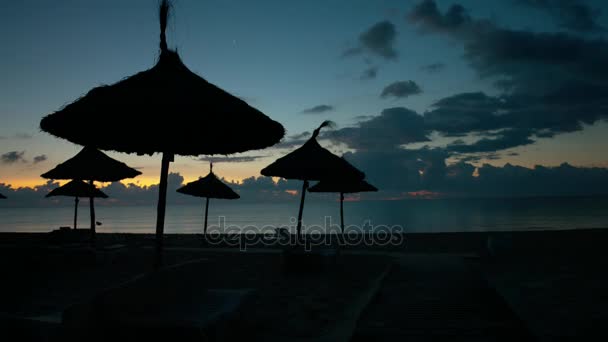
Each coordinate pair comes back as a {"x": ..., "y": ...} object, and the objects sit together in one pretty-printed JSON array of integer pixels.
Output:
[{"x": 541, "y": 285}]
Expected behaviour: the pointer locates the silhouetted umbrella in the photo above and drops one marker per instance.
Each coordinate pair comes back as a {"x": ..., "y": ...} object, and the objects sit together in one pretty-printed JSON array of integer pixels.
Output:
[
  {"x": 93, "y": 165},
  {"x": 343, "y": 187},
  {"x": 311, "y": 162},
  {"x": 142, "y": 113},
  {"x": 209, "y": 187},
  {"x": 2, "y": 196},
  {"x": 77, "y": 188}
]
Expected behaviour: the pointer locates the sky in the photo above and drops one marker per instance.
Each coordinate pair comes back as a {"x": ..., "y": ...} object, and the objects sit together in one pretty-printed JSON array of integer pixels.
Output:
[{"x": 505, "y": 97}]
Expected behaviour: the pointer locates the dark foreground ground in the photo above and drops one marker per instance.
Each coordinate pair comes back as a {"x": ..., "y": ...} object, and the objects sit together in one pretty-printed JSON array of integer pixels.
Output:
[{"x": 538, "y": 286}]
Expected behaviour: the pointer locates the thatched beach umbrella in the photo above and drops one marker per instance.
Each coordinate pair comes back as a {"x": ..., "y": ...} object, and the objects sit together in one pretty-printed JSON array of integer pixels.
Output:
[
  {"x": 209, "y": 187},
  {"x": 77, "y": 188},
  {"x": 311, "y": 162},
  {"x": 345, "y": 186},
  {"x": 92, "y": 165},
  {"x": 143, "y": 113}
]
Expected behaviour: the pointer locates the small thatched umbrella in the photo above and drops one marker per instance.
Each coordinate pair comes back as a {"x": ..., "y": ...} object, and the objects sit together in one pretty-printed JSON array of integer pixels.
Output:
[
  {"x": 2, "y": 196},
  {"x": 77, "y": 188},
  {"x": 343, "y": 187},
  {"x": 141, "y": 114},
  {"x": 209, "y": 187},
  {"x": 311, "y": 162},
  {"x": 92, "y": 165}
]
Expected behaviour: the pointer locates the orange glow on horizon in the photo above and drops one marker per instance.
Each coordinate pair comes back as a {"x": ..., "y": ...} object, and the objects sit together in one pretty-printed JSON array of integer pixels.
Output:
[
  {"x": 424, "y": 194},
  {"x": 142, "y": 181}
]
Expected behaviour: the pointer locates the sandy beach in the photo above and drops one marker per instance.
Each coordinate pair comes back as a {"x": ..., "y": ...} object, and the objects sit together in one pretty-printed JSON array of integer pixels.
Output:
[{"x": 431, "y": 287}]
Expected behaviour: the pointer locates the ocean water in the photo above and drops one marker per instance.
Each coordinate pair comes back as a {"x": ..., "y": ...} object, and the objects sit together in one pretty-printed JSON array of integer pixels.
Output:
[{"x": 445, "y": 215}]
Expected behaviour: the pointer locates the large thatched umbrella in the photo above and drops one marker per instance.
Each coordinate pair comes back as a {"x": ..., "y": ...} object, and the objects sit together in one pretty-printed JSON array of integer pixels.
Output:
[
  {"x": 142, "y": 114},
  {"x": 311, "y": 162},
  {"x": 342, "y": 186},
  {"x": 77, "y": 188},
  {"x": 209, "y": 187},
  {"x": 92, "y": 165}
]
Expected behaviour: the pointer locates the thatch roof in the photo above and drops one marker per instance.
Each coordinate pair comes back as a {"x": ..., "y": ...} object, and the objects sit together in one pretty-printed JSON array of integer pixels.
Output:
[
  {"x": 77, "y": 188},
  {"x": 343, "y": 186},
  {"x": 312, "y": 162},
  {"x": 209, "y": 186},
  {"x": 92, "y": 164},
  {"x": 141, "y": 114}
]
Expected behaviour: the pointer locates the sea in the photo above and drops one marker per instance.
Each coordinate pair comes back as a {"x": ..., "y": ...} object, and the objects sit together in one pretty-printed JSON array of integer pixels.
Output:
[{"x": 428, "y": 215}]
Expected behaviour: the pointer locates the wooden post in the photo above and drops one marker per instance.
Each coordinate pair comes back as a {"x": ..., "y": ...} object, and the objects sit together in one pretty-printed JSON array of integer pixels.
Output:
[
  {"x": 75, "y": 212},
  {"x": 92, "y": 209},
  {"x": 206, "y": 213},
  {"x": 299, "y": 227},
  {"x": 342, "y": 211},
  {"x": 160, "y": 210}
]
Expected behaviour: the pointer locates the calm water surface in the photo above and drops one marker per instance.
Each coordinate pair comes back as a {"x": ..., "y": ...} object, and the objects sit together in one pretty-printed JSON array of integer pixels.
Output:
[{"x": 411, "y": 215}]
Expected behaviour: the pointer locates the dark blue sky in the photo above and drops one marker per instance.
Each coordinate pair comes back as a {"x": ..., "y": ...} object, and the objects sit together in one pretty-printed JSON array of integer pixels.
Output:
[{"x": 480, "y": 82}]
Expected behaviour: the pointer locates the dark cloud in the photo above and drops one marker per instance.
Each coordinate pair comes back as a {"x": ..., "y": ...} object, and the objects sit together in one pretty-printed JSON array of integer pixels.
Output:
[
  {"x": 398, "y": 171},
  {"x": 573, "y": 15},
  {"x": 427, "y": 13},
  {"x": 393, "y": 127},
  {"x": 12, "y": 157},
  {"x": 369, "y": 73},
  {"x": 378, "y": 40},
  {"x": 40, "y": 158},
  {"x": 294, "y": 140},
  {"x": 504, "y": 140},
  {"x": 318, "y": 109},
  {"x": 302, "y": 135},
  {"x": 464, "y": 113},
  {"x": 433, "y": 68},
  {"x": 551, "y": 83},
  {"x": 401, "y": 89},
  {"x": 230, "y": 159},
  {"x": 363, "y": 117}
]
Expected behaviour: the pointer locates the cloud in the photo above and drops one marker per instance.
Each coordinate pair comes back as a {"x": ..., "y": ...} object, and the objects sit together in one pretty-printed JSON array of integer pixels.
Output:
[
  {"x": 505, "y": 139},
  {"x": 13, "y": 157},
  {"x": 230, "y": 159},
  {"x": 398, "y": 171},
  {"x": 427, "y": 14},
  {"x": 255, "y": 189},
  {"x": 401, "y": 89},
  {"x": 292, "y": 141},
  {"x": 433, "y": 68},
  {"x": 40, "y": 158},
  {"x": 573, "y": 15},
  {"x": 369, "y": 73},
  {"x": 550, "y": 83},
  {"x": 378, "y": 40},
  {"x": 393, "y": 127},
  {"x": 318, "y": 109}
]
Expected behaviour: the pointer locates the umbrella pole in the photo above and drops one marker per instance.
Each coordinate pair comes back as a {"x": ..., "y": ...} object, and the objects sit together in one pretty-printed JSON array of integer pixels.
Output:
[
  {"x": 75, "y": 212},
  {"x": 162, "y": 200},
  {"x": 299, "y": 228},
  {"x": 206, "y": 212},
  {"x": 342, "y": 211},
  {"x": 92, "y": 209}
]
